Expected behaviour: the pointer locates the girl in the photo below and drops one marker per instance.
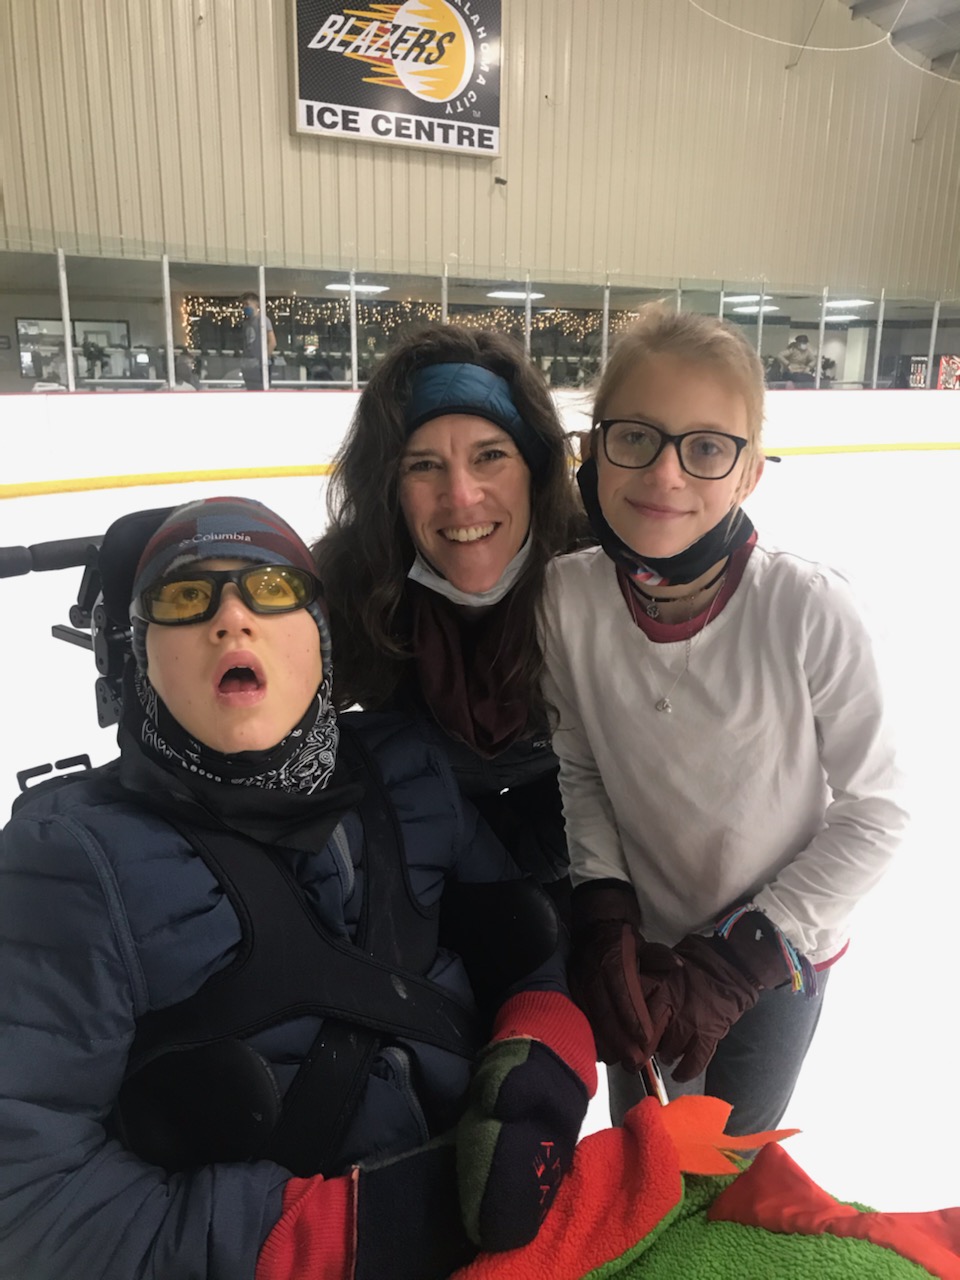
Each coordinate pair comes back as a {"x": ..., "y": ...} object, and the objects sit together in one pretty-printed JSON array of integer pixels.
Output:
[{"x": 729, "y": 791}]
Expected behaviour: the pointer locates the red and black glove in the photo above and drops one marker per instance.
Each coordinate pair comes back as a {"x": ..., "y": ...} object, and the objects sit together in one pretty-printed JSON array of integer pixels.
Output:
[
  {"x": 604, "y": 981},
  {"x": 527, "y": 1100},
  {"x": 698, "y": 989},
  {"x": 399, "y": 1218}
]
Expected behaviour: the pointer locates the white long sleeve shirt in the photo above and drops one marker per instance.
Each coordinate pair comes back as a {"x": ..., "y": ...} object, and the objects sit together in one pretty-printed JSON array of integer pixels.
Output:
[{"x": 773, "y": 778}]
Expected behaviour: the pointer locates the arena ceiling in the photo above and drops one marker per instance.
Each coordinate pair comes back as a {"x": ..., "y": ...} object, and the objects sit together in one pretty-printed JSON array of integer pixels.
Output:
[{"x": 930, "y": 28}]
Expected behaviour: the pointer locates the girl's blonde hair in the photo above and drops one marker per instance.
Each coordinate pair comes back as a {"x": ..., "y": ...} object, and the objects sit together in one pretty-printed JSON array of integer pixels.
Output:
[{"x": 661, "y": 330}]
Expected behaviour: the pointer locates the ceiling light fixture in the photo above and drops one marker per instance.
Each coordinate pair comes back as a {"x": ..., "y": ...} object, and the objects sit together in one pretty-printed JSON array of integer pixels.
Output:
[
  {"x": 849, "y": 302},
  {"x": 752, "y": 311},
  {"x": 839, "y": 319},
  {"x": 359, "y": 288},
  {"x": 741, "y": 297},
  {"x": 514, "y": 295}
]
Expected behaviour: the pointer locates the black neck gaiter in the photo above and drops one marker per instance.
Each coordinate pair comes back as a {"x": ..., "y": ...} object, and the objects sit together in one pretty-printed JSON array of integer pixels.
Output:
[
  {"x": 303, "y": 762},
  {"x": 669, "y": 571}
]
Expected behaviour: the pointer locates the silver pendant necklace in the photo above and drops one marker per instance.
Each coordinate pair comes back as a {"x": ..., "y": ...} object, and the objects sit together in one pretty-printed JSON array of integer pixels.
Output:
[{"x": 663, "y": 703}]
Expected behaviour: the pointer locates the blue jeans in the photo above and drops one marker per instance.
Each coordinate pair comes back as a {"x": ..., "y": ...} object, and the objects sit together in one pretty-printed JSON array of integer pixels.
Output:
[{"x": 756, "y": 1065}]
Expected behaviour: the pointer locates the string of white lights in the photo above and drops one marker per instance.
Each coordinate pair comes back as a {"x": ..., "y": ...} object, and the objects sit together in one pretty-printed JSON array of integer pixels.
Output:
[
  {"x": 306, "y": 312},
  {"x": 792, "y": 44}
]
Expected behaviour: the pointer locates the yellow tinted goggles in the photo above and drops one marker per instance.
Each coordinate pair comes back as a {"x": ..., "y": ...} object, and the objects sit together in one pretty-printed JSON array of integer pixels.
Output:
[{"x": 194, "y": 597}]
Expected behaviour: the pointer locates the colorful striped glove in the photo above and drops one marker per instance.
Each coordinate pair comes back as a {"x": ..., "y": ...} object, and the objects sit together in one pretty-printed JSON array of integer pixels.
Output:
[{"x": 698, "y": 989}]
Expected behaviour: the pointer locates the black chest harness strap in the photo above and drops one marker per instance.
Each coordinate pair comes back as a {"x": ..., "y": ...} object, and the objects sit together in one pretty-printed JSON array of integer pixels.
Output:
[{"x": 288, "y": 966}]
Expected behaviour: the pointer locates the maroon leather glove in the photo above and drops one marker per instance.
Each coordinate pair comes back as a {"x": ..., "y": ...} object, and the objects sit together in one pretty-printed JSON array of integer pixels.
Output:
[
  {"x": 698, "y": 989},
  {"x": 603, "y": 972}
]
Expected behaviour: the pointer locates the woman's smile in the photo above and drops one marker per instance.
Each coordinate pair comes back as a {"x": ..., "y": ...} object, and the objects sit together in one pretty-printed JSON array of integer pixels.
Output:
[{"x": 465, "y": 496}]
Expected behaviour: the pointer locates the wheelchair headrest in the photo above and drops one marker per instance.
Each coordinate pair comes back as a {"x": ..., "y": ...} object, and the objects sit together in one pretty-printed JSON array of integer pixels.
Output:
[{"x": 120, "y": 553}]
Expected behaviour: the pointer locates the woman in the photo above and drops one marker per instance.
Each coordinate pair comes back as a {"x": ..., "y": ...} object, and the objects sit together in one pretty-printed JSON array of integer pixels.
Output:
[
  {"x": 729, "y": 788},
  {"x": 233, "y": 1012},
  {"x": 449, "y": 496}
]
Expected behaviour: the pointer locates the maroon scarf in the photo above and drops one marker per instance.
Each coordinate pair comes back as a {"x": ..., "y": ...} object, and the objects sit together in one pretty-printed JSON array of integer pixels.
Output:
[{"x": 466, "y": 671}]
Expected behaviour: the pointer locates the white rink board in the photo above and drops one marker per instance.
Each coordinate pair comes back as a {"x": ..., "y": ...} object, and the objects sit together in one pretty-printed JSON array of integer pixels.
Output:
[
  {"x": 877, "y": 1101},
  {"x": 60, "y": 436}
]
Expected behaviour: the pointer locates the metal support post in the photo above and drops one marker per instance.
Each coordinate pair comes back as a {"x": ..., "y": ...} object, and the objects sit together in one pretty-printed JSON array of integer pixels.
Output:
[
  {"x": 527, "y": 317},
  {"x": 928, "y": 380},
  {"x": 763, "y": 297},
  {"x": 168, "y": 322},
  {"x": 605, "y": 335},
  {"x": 65, "y": 316},
  {"x": 354, "y": 381},
  {"x": 823, "y": 326},
  {"x": 264, "y": 358},
  {"x": 877, "y": 339}
]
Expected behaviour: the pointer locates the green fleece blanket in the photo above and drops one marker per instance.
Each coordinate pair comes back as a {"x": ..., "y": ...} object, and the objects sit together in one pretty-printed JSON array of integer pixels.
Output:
[
  {"x": 655, "y": 1200},
  {"x": 689, "y": 1246}
]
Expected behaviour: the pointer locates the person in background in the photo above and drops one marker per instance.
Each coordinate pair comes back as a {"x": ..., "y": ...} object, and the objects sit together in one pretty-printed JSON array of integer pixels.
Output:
[
  {"x": 449, "y": 495},
  {"x": 185, "y": 369},
  {"x": 274, "y": 1002},
  {"x": 798, "y": 360},
  {"x": 729, "y": 784},
  {"x": 250, "y": 365}
]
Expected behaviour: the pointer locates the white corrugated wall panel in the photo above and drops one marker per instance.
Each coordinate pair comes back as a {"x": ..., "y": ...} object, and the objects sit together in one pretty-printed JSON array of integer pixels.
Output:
[
  {"x": 12, "y": 186},
  {"x": 30, "y": 173},
  {"x": 642, "y": 138},
  {"x": 141, "y": 72}
]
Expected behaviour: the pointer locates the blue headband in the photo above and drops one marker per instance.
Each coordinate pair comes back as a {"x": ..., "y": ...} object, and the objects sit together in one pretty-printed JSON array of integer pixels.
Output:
[{"x": 439, "y": 389}]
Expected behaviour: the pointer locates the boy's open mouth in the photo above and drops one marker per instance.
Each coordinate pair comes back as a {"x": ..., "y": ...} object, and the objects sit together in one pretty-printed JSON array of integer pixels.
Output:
[
  {"x": 239, "y": 680},
  {"x": 239, "y": 677}
]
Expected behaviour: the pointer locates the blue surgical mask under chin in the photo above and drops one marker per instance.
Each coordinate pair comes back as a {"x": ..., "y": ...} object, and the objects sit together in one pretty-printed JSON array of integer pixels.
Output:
[{"x": 423, "y": 572}]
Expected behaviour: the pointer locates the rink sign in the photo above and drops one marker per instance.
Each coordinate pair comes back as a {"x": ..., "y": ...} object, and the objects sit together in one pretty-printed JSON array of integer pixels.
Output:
[{"x": 423, "y": 73}]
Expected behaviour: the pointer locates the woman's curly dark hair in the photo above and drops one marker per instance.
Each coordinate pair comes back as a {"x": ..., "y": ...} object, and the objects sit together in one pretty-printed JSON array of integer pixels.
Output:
[{"x": 365, "y": 555}]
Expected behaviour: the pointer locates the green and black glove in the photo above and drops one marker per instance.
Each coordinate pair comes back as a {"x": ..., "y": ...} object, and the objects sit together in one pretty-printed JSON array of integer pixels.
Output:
[{"x": 526, "y": 1103}]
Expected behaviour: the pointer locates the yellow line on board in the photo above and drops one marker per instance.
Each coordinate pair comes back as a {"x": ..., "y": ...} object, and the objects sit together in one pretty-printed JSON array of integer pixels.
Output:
[
  {"x": 37, "y": 488},
  {"x": 910, "y": 446}
]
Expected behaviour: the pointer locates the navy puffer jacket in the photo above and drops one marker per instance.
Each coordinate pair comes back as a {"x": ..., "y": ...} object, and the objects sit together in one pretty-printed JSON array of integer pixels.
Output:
[{"x": 107, "y": 913}]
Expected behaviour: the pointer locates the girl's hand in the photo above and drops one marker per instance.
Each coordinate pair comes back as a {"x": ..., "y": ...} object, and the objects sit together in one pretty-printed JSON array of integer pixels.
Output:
[{"x": 604, "y": 977}]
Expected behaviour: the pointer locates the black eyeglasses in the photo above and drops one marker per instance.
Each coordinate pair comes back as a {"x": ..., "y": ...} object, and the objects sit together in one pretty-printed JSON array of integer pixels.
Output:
[
  {"x": 706, "y": 455},
  {"x": 194, "y": 597}
]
